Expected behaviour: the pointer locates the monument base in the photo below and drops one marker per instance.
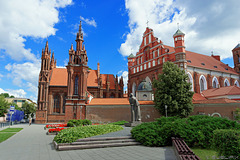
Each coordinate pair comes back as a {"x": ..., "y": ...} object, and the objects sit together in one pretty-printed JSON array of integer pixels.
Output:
[{"x": 133, "y": 124}]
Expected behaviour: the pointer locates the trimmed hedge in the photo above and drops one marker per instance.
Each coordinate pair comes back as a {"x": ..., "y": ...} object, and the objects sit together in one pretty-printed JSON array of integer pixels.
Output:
[
  {"x": 72, "y": 134},
  {"x": 79, "y": 122},
  {"x": 120, "y": 122},
  {"x": 227, "y": 142},
  {"x": 195, "y": 130}
]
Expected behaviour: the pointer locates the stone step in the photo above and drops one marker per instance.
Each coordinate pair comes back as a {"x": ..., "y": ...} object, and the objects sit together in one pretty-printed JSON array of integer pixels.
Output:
[
  {"x": 103, "y": 138},
  {"x": 89, "y": 146},
  {"x": 103, "y": 141}
]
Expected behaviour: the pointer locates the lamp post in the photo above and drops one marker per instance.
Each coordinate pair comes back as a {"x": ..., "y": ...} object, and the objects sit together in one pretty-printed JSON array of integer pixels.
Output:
[{"x": 166, "y": 110}]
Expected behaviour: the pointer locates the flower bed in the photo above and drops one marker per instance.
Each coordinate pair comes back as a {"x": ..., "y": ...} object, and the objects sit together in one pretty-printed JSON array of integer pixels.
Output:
[
  {"x": 55, "y": 125},
  {"x": 55, "y": 130}
]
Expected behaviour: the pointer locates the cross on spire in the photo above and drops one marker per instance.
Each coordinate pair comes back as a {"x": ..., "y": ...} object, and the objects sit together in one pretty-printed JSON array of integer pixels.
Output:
[
  {"x": 147, "y": 23},
  {"x": 178, "y": 25}
]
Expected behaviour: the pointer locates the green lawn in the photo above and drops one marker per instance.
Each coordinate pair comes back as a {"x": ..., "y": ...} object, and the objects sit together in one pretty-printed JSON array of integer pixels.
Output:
[
  {"x": 205, "y": 154},
  {"x": 8, "y": 132},
  {"x": 5, "y": 136},
  {"x": 11, "y": 130}
]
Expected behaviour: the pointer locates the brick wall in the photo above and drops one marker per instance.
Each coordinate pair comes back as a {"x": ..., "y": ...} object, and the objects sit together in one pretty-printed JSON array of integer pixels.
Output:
[{"x": 103, "y": 114}]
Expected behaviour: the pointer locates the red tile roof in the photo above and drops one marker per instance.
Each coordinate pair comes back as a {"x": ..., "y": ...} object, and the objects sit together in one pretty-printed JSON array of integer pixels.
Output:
[
  {"x": 92, "y": 79},
  {"x": 58, "y": 77},
  {"x": 230, "y": 90},
  {"x": 198, "y": 97},
  {"x": 116, "y": 101},
  {"x": 215, "y": 101},
  {"x": 197, "y": 60},
  {"x": 109, "y": 101}
]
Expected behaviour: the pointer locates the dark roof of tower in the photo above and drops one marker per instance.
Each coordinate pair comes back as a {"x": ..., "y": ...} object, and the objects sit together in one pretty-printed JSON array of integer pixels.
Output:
[
  {"x": 144, "y": 86},
  {"x": 178, "y": 32},
  {"x": 131, "y": 56},
  {"x": 237, "y": 46}
]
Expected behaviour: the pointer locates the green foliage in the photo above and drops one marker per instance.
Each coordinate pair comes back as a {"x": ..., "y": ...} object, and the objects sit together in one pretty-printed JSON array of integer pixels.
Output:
[
  {"x": 237, "y": 114},
  {"x": 79, "y": 122},
  {"x": 205, "y": 154},
  {"x": 173, "y": 90},
  {"x": 5, "y": 136},
  {"x": 6, "y": 95},
  {"x": 72, "y": 134},
  {"x": 119, "y": 122},
  {"x": 227, "y": 142},
  {"x": 7, "y": 133},
  {"x": 195, "y": 130},
  {"x": 29, "y": 109},
  {"x": 4, "y": 106},
  {"x": 11, "y": 130}
]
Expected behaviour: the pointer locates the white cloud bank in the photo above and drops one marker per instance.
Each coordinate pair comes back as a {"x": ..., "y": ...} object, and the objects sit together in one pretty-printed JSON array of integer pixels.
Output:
[
  {"x": 18, "y": 93},
  {"x": 20, "y": 19},
  {"x": 91, "y": 22},
  {"x": 208, "y": 25}
]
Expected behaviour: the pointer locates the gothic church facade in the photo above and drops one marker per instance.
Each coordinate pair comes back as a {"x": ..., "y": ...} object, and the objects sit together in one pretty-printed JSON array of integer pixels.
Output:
[{"x": 64, "y": 92}]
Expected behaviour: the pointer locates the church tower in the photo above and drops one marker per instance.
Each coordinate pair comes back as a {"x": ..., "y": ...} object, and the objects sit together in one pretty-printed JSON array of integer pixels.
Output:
[
  {"x": 180, "y": 54},
  {"x": 77, "y": 80},
  {"x": 43, "y": 85},
  {"x": 236, "y": 58}
]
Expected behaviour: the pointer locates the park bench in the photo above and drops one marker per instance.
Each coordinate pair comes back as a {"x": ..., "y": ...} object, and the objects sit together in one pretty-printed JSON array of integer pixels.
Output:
[{"x": 182, "y": 150}]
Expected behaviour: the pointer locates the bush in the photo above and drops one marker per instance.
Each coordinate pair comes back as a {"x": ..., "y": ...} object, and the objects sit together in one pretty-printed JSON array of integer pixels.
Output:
[
  {"x": 227, "y": 142},
  {"x": 195, "y": 130},
  {"x": 119, "y": 122},
  {"x": 79, "y": 122},
  {"x": 72, "y": 134}
]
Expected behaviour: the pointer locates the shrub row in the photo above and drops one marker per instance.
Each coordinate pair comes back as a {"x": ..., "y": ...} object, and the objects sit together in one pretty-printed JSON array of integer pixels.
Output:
[
  {"x": 119, "y": 122},
  {"x": 72, "y": 134},
  {"x": 197, "y": 131},
  {"x": 227, "y": 143},
  {"x": 79, "y": 122}
]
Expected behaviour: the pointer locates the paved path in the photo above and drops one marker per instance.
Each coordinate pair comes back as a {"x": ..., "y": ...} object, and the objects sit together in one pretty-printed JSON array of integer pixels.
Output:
[{"x": 32, "y": 143}]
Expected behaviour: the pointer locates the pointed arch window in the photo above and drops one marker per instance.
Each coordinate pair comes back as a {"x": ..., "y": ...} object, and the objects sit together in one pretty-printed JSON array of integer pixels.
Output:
[
  {"x": 226, "y": 83},
  {"x": 56, "y": 106},
  {"x": 76, "y": 86},
  {"x": 203, "y": 83},
  {"x": 215, "y": 83},
  {"x": 236, "y": 83}
]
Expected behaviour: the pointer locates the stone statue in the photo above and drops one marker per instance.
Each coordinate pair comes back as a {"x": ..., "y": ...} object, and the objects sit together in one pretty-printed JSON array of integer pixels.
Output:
[{"x": 135, "y": 108}]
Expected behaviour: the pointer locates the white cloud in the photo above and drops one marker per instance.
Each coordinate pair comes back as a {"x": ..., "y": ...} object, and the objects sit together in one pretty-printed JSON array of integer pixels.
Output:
[
  {"x": 19, "y": 93},
  {"x": 1, "y": 76},
  {"x": 91, "y": 22},
  {"x": 25, "y": 75},
  {"x": 124, "y": 74},
  {"x": 27, "y": 18},
  {"x": 208, "y": 25}
]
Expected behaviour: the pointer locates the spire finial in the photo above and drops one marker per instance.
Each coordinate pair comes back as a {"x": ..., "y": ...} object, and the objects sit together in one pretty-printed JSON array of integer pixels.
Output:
[
  {"x": 212, "y": 52},
  {"x": 178, "y": 25},
  {"x": 71, "y": 46},
  {"x": 147, "y": 23},
  {"x": 80, "y": 27}
]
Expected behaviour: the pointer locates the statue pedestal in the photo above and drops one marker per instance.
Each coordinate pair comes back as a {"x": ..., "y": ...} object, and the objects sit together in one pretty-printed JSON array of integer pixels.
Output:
[{"x": 133, "y": 124}]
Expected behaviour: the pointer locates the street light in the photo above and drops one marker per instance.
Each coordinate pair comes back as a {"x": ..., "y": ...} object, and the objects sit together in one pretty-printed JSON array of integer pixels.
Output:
[{"x": 166, "y": 110}]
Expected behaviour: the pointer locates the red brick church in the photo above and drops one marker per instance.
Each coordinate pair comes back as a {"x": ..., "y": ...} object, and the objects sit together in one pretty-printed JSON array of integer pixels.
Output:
[
  {"x": 213, "y": 82},
  {"x": 64, "y": 92}
]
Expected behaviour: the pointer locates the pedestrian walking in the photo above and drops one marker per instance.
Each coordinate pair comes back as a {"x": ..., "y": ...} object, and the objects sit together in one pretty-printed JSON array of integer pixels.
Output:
[{"x": 30, "y": 121}]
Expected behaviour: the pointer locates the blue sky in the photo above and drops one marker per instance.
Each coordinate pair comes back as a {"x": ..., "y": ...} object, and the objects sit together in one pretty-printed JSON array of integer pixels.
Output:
[{"x": 112, "y": 28}]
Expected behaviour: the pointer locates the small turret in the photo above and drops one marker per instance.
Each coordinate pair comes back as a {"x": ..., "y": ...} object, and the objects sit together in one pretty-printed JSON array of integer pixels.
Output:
[{"x": 180, "y": 54}]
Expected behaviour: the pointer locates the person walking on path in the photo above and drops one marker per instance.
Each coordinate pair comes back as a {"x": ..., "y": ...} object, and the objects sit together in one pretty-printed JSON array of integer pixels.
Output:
[{"x": 30, "y": 120}]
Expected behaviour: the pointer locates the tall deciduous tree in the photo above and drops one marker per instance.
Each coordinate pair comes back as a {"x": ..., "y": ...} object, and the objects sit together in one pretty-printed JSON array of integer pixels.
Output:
[
  {"x": 4, "y": 106},
  {"x": 29, "y": 109},
  {"x": 173, "y": 90}
]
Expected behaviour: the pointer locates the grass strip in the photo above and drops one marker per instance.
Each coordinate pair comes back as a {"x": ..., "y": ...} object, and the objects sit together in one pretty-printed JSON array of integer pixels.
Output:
[
  {"x": 5, "y": 136},
  {"x": 11, "y": 130},
  {"x": 205, "y": 154}
]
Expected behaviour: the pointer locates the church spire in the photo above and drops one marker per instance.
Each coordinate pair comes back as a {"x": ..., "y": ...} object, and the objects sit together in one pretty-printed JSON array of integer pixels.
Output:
[
  {"x": 46, "y": 48},
  {"x": 80, "y": 34}
]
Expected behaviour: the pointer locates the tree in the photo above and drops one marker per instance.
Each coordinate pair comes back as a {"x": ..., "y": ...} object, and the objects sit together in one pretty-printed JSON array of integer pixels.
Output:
[
  {"x": 4, "y": 106},
  {"x": 29, "y": 109},
  {"x": 6, "y": 95},
  {"x": 173, "y": 90}
]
